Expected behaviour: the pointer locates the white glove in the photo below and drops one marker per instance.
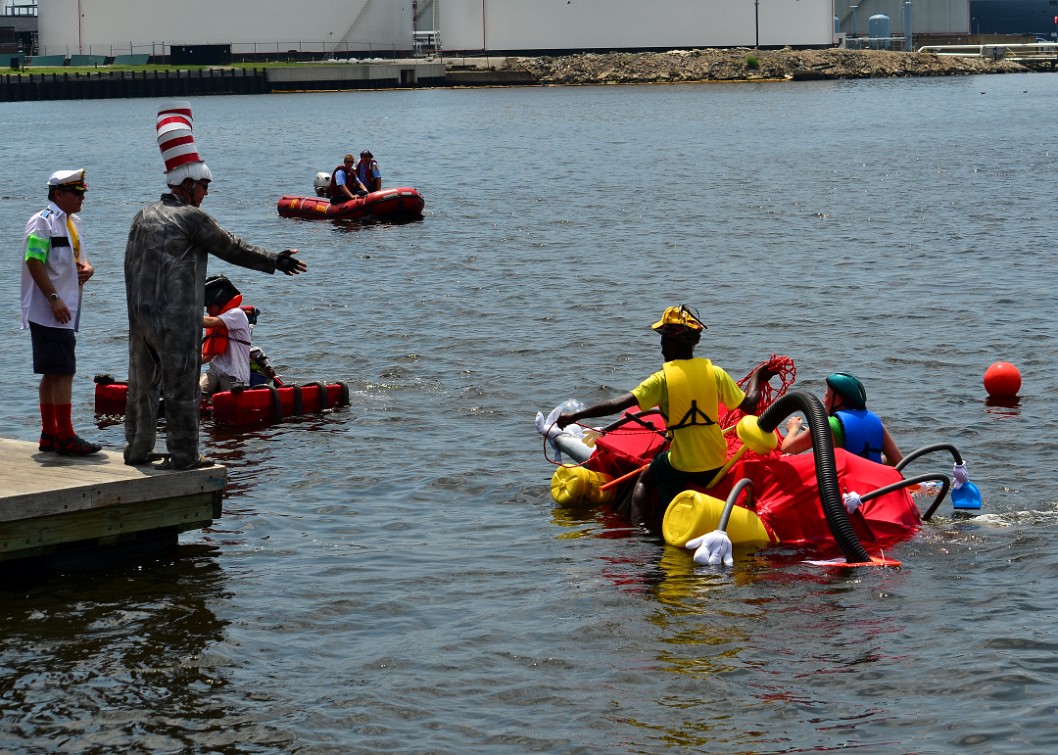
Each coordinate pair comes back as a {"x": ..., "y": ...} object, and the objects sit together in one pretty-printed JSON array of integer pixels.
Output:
[
  {"x": 711, "y": 549},
  {"x": 960, "y": 474},
  {"x": 550, "y": 430},
  {"x": 852, "y": 502}
]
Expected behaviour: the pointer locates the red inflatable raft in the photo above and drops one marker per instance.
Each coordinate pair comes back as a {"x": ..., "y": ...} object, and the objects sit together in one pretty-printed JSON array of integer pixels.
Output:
[
  {"x": 794, "y": 500},
  {"x": 786, "y": 495},
  {"x": 399, "y": 203},
  {"x": 249, "y": 406}
]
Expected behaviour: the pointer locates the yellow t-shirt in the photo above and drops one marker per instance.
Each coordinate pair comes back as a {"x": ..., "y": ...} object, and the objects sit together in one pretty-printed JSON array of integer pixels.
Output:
[{"x": 699, "y": 447}]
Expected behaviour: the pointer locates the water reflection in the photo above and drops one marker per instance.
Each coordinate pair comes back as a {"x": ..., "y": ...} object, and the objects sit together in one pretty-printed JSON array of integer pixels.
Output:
[
  {"x": 595, "y": 521},
  {"x": 996, "y": 405},
  {"x": 355, "y": 226},
  {"x": 128, "y": 647}
]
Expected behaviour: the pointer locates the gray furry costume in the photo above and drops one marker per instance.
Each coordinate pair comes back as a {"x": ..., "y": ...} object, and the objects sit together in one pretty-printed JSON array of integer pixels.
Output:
[{"x": 165, "y": 274}]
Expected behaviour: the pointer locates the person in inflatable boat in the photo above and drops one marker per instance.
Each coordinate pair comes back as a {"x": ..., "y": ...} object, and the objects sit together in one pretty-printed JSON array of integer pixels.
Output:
[
  {"x": 855, "y": 428},
  {"x": 368, "y": 172},
  {"x": 345, "y": 186},
  {"x": 689, "y": 391},
  {"x": 226, "y": 344}
]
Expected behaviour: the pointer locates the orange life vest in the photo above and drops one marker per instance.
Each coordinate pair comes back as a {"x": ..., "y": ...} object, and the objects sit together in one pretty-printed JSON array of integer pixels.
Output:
[{"x": 215, "y": 340}]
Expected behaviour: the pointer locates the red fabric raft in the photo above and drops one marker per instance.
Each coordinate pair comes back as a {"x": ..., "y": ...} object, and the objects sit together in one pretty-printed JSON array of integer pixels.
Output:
[
  {"x": 786, "y": 497},
  {"x": 401, "y": 202},
  {"x": 629, "y": 447},
  {"x": 785, "y": 490}
]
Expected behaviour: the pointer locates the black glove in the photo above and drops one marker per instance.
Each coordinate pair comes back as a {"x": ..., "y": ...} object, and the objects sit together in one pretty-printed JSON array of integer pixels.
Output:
[{"x": 286, "y": 263}]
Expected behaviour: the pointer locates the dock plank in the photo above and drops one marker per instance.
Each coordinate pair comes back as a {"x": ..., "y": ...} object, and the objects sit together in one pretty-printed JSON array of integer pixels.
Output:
[
  {"x": 43, "y": 484},
  {"x": 49, "y": 501}
]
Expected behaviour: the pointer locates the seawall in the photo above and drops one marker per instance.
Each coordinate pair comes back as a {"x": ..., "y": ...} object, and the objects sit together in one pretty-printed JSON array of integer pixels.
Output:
[{"x": 586, "y": 69}]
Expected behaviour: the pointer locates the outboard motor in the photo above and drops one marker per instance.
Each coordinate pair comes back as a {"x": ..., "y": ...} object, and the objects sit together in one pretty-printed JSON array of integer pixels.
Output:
[{"x": 321, "y": 183}]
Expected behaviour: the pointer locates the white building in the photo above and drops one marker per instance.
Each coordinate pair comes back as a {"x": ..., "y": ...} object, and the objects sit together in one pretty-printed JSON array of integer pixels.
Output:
[
  {"x": 385, "y": 27},
  {"x": 561, "y": 25},
  {"x": 121, "y": 27}
]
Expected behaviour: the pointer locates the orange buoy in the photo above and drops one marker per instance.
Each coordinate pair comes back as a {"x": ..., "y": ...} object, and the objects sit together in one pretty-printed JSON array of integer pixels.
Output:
[{"x": 1002, "y": 380}]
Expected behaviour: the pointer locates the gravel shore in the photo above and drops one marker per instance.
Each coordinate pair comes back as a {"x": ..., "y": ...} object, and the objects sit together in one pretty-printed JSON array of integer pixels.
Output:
[{"x": 746, "y": 65}]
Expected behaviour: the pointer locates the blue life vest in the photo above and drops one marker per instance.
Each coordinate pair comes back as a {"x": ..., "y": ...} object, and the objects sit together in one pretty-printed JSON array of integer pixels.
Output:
[{"x": 863, "y": 432}]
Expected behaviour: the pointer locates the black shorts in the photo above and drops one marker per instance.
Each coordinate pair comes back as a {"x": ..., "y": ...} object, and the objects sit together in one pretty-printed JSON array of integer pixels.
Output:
[
  {"x": 671, "y": 481},
  {"x": 53, "y": 350}
]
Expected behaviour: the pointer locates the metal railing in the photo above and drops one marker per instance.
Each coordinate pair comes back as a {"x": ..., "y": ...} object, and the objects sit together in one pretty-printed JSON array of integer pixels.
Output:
[
  {"x": 316, "y": 49},
  {"x": 898, "y": 42},
  {"x": 1015, "y": 52}
]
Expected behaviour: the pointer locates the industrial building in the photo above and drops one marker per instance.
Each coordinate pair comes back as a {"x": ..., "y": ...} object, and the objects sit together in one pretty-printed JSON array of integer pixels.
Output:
[
  {"x": 926, "y": 18},
  {"x": 550, "y": 26},
  {"x": 383, "y": 28},
  {"x": 339, "y": 29},
  {"x": 252, "y": 27}
]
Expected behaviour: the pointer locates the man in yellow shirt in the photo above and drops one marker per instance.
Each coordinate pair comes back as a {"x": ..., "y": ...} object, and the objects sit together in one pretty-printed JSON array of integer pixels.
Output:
[{"x": 689, "y": 391}]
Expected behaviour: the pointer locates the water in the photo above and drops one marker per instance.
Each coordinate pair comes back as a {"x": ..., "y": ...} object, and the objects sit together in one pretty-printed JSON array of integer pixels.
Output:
[{"x": 394, "y": 577}]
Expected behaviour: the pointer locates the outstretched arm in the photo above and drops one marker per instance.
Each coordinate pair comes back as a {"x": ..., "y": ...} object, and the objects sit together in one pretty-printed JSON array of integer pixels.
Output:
[{"x": 601, "y": 409}]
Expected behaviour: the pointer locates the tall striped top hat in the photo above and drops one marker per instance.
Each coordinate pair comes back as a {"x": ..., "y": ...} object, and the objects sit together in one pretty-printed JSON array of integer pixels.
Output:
[{"x": 177, "y": 144}]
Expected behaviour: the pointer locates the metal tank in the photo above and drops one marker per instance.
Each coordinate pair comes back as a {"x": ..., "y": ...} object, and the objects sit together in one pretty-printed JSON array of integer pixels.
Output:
[{"x": 878, "y": 31}]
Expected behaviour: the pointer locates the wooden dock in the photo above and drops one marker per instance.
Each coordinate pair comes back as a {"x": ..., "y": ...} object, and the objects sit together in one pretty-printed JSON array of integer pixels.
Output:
[{"x": 53, "y": 506}]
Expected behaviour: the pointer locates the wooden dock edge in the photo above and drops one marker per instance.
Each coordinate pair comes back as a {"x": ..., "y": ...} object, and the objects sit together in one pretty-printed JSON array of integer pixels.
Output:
[{"x": 51, "y": 504}]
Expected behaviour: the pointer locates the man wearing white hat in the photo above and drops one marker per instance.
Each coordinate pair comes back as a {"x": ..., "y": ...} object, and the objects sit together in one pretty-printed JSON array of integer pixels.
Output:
[
  {"x": 165, "y": 275},
  {"x": 55, "y": 268}
]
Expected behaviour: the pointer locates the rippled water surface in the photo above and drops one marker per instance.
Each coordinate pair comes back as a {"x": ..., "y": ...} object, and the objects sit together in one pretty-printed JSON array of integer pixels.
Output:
[{"x": 394, "y": 577}]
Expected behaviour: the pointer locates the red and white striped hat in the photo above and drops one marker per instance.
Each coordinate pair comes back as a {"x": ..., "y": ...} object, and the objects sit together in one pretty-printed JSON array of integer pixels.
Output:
[{"x": 177, "y": 144}]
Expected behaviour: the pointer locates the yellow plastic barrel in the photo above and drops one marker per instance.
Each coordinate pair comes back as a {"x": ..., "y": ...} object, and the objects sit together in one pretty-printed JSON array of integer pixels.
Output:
[
  {"x": 692, "y": 514},
  {"x": 576, "y": 485}
]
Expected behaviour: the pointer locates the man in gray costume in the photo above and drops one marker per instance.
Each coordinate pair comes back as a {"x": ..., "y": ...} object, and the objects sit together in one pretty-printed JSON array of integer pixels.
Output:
[{"x": 165, "y": 275}]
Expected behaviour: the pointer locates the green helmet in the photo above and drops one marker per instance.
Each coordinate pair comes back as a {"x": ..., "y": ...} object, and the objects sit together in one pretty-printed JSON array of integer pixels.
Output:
[{"x": 849, "y": 388}]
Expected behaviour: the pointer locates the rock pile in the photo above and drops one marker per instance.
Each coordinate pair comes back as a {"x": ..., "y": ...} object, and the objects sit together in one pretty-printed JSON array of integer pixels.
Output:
[{"x": 743, "y": 64}]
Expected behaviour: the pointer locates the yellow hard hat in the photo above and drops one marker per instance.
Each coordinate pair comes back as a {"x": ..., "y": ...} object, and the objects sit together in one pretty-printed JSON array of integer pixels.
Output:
[{"x": 678, "y": 320}]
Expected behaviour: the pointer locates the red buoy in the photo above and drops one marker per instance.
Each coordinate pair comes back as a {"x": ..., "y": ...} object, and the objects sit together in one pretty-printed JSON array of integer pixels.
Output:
[{"x": 1002, "y": 380}]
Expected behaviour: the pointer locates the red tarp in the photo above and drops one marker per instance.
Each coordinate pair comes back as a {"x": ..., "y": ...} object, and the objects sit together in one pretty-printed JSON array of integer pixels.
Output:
[{"x": 785, "y": 492}]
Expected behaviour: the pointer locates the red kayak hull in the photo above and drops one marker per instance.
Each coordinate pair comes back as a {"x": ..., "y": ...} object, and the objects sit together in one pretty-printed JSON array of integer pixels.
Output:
[
  {"x": 265, "y": 404},
  {"x": 401, "y": 202},
  {"x": 247, "y": 407}
]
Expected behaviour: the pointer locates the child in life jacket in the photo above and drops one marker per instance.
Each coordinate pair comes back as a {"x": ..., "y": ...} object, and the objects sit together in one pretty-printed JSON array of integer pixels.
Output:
[{"x": 226, "y": 344}]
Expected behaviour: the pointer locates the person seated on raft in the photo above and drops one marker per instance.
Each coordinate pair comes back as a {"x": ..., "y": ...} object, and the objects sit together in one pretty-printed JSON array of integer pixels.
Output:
[
  {"x": 368, "y": 173},
  {"x": 261, "y": 372},
  {"x": 689, "y": 391},
  {"x": 344, "y": 184},
  {"x": 226, "y": 345},
  {"x": 855, "y": 428}
]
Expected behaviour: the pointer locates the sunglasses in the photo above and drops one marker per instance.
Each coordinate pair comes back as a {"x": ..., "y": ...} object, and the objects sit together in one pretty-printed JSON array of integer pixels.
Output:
[{"x": 73, "y": 190}]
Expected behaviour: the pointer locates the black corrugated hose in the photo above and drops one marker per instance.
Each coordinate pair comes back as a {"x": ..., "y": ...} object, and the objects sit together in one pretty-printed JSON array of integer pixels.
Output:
[{"x": 826, "y": 467}]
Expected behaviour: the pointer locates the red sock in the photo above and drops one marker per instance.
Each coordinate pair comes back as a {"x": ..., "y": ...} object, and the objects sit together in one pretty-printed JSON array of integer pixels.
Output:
[
  {"x": 47, "y": 419},
  {"x": 63, "y": 421}
]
